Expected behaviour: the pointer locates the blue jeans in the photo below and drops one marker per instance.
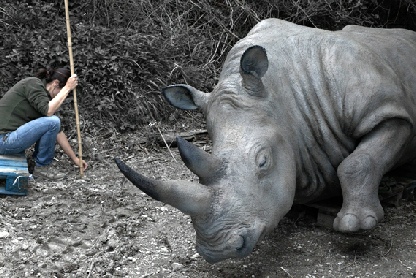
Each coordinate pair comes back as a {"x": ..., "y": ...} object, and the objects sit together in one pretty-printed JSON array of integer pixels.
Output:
[{"x": 42, "y": 131}]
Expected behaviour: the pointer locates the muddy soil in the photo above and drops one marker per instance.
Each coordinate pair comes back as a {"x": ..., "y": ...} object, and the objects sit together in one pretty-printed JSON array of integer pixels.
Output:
[{"x": 102, "y": 226}]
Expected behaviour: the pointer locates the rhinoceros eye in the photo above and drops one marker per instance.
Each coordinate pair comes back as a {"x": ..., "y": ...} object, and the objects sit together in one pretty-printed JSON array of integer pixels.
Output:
[{"x": 263, "y": 159}]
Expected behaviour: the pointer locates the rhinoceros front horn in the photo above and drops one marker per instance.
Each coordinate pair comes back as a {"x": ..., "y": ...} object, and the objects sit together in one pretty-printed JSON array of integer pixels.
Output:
[{"x": 190, "y": 198}]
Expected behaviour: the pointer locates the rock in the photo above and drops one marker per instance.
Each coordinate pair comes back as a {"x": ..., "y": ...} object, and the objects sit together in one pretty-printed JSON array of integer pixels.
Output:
[
  {"x": 4, "y": 234},
  {"x": 177, "y": 266}
]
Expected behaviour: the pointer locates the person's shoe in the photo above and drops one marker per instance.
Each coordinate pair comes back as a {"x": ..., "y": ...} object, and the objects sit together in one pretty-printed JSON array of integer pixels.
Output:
[
  {"x": 31, "y": 163},
  {"x": 47, "y": 173}
]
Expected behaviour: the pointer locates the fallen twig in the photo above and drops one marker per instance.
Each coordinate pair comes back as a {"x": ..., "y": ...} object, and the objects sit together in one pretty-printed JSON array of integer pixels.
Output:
[{"x": 166, "y": 144}]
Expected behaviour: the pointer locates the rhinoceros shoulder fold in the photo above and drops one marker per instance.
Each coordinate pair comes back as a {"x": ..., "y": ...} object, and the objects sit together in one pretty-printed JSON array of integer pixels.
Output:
[{"x": 377, "y": 72}]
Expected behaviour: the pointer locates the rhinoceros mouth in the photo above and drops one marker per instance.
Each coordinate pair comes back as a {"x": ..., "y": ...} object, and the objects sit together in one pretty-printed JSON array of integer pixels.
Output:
[{"x": 239, "y": 246}]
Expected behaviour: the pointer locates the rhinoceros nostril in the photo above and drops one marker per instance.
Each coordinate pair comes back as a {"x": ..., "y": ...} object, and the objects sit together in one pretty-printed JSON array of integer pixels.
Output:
[
  {"x": 237, "y": 242},
  {"x": 242, "y": 244}
]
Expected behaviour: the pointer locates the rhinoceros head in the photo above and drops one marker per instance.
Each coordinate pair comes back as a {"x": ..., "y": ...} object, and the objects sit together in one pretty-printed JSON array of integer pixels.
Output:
[{"x": 247, "y": 184}]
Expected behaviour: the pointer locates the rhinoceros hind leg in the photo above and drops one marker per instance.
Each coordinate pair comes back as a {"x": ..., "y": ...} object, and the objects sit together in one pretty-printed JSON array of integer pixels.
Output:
[{"x": 361, "y": 172}]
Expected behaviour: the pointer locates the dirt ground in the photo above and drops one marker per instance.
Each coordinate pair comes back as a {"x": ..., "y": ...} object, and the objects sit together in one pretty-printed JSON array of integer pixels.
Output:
[{"x": 102, "y": 226}]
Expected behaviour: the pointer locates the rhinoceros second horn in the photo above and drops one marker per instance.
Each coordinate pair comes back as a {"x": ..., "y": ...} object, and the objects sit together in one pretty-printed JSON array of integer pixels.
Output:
[{"x": 206, "y": 166}]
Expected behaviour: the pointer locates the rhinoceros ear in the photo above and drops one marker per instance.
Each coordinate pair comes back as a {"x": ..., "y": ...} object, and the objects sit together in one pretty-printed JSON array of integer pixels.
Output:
[
  {"x": 254, "y": 61},
  {"x": 185, "y": 97},
  {"x": 253, "y": 65}
]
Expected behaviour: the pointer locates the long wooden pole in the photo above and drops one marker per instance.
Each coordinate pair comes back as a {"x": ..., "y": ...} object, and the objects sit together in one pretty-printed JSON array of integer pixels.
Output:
[{"x": 71, "y": 63}]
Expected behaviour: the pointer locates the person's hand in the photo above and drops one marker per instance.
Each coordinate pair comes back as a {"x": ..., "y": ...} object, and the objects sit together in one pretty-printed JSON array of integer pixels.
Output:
[
  {"x": 72, "y": 82},
  {"x": 84, "y": 164}
]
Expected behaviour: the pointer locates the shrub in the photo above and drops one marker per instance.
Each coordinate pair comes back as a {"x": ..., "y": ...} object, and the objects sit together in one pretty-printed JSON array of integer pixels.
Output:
[{"x": 125, "y": 51}]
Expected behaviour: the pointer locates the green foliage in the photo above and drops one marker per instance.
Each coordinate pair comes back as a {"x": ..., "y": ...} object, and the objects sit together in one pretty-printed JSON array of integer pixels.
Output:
[{"x": 126, "y": 50}]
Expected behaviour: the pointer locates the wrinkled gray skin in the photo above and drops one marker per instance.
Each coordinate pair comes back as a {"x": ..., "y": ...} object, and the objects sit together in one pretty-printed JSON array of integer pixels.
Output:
[{"x": 298, "y": 115}]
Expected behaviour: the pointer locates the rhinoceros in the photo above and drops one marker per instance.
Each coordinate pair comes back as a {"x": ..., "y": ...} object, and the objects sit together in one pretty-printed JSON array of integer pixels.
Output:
[{"x": 298, "y": 115}]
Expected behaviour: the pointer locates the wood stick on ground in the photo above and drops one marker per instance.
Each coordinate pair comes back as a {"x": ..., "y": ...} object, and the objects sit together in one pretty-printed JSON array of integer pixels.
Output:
[
  {"x": 167, "y": 146},
  {"x": 71, "y": 63}
]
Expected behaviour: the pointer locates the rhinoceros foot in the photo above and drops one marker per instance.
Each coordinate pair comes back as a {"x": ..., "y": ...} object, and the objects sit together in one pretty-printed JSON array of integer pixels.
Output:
[{"x": 357, "y": 218}]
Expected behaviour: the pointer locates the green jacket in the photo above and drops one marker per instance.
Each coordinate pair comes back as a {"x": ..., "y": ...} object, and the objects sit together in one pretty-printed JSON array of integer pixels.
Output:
[{"x": 24, "y": 102}]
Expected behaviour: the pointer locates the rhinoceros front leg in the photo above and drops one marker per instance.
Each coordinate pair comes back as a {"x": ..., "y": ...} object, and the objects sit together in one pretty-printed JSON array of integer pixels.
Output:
[{"x": 361, "y": 172}]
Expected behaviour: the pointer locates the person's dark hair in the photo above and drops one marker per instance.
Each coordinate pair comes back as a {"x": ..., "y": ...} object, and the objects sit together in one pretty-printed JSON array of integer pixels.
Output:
[{"x": 50, "y": 74}]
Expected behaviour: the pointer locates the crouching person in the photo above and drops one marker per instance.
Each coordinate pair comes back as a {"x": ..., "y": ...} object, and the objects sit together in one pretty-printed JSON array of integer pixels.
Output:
[{"x": 27, "y": 117}]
